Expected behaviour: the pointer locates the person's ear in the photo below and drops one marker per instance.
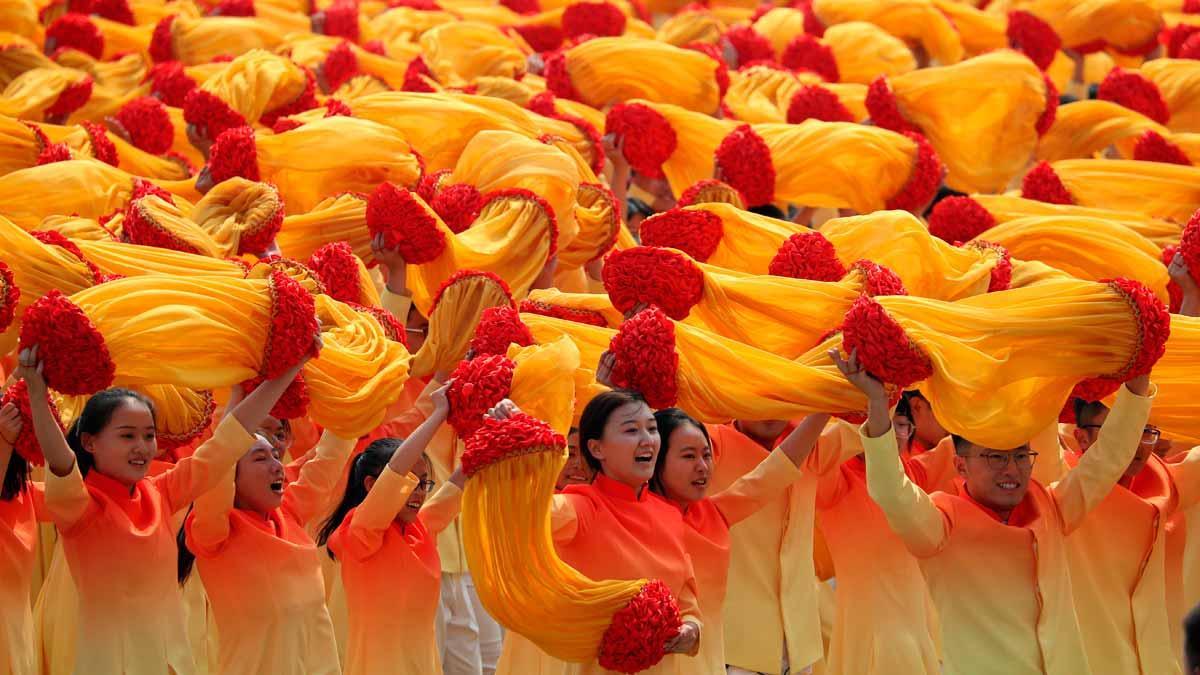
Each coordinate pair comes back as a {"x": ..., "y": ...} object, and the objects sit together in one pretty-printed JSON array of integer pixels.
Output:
[
  {"x": 960, "y": 465},
  {"x": 369, "y": 482},
  {"x": 595, "y": 449},
  {"x": 87, "y": 441}
]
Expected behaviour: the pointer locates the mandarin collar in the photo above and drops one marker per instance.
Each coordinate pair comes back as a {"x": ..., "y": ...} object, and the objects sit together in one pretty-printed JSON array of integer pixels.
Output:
[
  {"x": 619, "y": 490},
  {"x": 112, "y": 487},
  {"x": 1022, "y": 515}
]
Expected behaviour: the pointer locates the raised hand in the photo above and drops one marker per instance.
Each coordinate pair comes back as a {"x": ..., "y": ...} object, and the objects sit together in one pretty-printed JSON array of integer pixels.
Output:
[
  {"x": 857, "y": 375},
  {"x": 29, "y": 368},
  {"x": 10, "y": 424},
  {"x": 686, "y": 641},
  {"x": 604, "y": 369}
]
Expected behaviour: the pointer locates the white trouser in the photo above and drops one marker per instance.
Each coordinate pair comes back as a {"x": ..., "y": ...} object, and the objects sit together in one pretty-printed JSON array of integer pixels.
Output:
[{"x": 468, "y": 638}]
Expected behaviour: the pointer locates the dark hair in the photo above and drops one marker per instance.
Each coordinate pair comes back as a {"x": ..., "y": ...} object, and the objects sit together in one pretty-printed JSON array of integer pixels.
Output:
[
  {"x": 768, "y": 210},
  {"x": 961, "y": 445},
  {"x": 595, "y": 416},
  {"x": 908, "y": 395},
  {"x": 1191, "y": 640},
  {"x": 1086, "y": 412},
  {"x": 943, "y": 192},
  {"x": 370, "y": 463},
  {"x": 16, "y": 477},
  {"x": 670, "y": 419},
  {"x": 96, "y": 414}
]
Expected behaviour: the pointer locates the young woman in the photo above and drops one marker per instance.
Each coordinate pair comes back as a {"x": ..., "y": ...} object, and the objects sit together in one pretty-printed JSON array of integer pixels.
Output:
[
  {"x": 576, "y": 471},
  {"x": 20, "y": 502},
  {"x": 681, "y": 476},
  {"x": 385, "y": 535},
  {"x": 115, "y": 522}
]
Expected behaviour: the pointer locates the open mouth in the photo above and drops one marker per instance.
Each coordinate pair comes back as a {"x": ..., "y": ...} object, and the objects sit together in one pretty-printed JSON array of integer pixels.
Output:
[
  {"x": 701, "y": 483},
  {"x": 1008, "y": 485},
  {"x": 644, "y": 457},
  {"x": 138, "y": 463},
  {"x": 414, "y": 505},
  {"x": 277, "y": 487}
]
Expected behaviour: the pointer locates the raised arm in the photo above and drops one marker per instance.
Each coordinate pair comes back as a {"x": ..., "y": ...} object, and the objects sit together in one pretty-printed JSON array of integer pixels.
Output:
[
  {"x": 396, "y": 299},
  {"x": 1180, "y": 274},
  {"x": 308, "y": 497}
]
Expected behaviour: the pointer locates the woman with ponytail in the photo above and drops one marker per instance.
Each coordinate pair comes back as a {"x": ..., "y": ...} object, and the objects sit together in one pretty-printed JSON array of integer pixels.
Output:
[{"x": 20, "y": 505}]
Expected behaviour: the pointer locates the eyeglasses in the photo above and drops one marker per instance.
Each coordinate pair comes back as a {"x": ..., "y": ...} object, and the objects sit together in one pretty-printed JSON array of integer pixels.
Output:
[
  {"x": 998, "y": 461},
  {"x": 1150, "y": 436},
  {"x": 903, "y": 429},
  {"x": 427, "y": 484}
]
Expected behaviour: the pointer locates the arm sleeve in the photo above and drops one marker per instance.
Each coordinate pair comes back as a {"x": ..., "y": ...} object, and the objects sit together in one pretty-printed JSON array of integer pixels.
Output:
[
  {"x": 750, "y": 492},
  {"x": 398, "y": 305},
  {"x": 37, "y": 492},
  {"x": 199, "y": 473},
  {"x": 441, "y": 508},
  {"x": 837, "y": 444},
  {"x": 68, "y": 501},
  {"x": 910, "y": 512},
  {"x": 1050, "y": 466},
  {"x": 564, "y": 519},
  {"x": 208, "y": 524},
  {"x": 1186, "y": 475},
  {"x": 373, "y": 517},
  {"x": 1102, "y": 465},
  {"x": 309, "y": 496},
  {"x": 689, "y": 602},
  {"x": 420, "y": 411}
]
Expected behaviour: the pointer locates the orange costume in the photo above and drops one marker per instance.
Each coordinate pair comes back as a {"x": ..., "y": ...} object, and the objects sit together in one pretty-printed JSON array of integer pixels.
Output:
[{"x": 18, "y": 552}]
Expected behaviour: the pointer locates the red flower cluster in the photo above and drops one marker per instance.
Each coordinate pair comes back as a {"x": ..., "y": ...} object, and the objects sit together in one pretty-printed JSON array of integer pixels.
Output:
[
  {"x": 113, "y": 10},
  {"x": 1153, "y": 324},
  {"x": 71, "y": 99},
  {"x": 415, "y": 76},
  {"x": 210, "y": 114},
  {"x": 55, "y": 238},
  {"x": 1033, "y": 37},
  {"x": 339, "y": 66},
  {"x": 337, "y": 266},
  {"x": 10, "y": 295},
  {"x": 1001, "y": 278},
  {"x": 76, "y": 31},
  {"x": 103, "y": 148},
  {"x": 655, "y": 276},
  {"x": 1152, "y": 147},
  {"x": 602, "y": 19},
  {"x": 292, "y": 404},
  {"x": 634, "y": 639},
  {"x": 1173, "y": 289},
  {"x": 477, "y": 385},
  {"x": 458, "y": 205},
  {"x": 405, "y": 223},
  {"x": 148, "y": 125},
  {"x": 812, "y": 101},
  {"x": 806, "y": 52},
  {"x": 711, "y": 190},
  {"x": 812, "y": 23},
  {"x": 922, "y": 184},
  {"x": 695, "y": 232},
  {"x": 162, "y": 41},
  {"x": 139, "y": 227},
  {"x": 807, "y": 255},
  {"x": 430, "y": 183},
  {"x": 558, "y": 79},
  {"x": 883, "y": 347},
  {"x": 341, "y": 20},
  {"x": 644, "y": 349},
  {"x": 499, "y": 327},
  {"x": 647, "y": 138},
  {"x": 235, "y": 153},
  {"x": 744, "y": 161},
  {"x": 541, "y": 38},
  {"x": 26, "y": 443},
  {"x": 392, "y": 328},
  {"x": 749, "y": 44},
  {"x": 521, "y": 194},
  {"x": 75, "y": 358},
  {"x": 1136, "y": 92},
  {"x": 1044, "y": 185},
  {"x": 1189, "y": 245},
  {"x": 498, "y": 440},
  {"x": 959, "y": 219},
  {"x": 170, "y": 83},
  {"x": 168, "y": 442},
  {"x": 1046, "y": 119},
  {"x": 470, "y": 274},
  {"x": 54, "y": 152},
  {"x": 1095, "y": 388},
  {"x": 305, "y": 100},
  {"x": 1179, "y": 41},
  {"x": 293, "y": 269},
  {"x": 523, "y": 7},
  {"x": 584, "y": 316},
  {"x": 884, "y": 109},
  {"x": 878, "y": 280},
  {"x": 293, "y": 326}
]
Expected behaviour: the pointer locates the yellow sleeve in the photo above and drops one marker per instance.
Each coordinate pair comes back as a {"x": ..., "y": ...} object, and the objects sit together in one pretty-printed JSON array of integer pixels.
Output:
[
  {"x": 441, "y": 508},
  {"x": 67, "y": 498},
  {"x": 1102, "y": 465},
  {"x": 398, "y": 305},
  {"x": 1050, "y": 466},
  {"x": 910, "y": 512},
  {"x": 749, "y": 493},
  {"x": 309, "y": 495},
  {"x": 1186, "y": 475},
  {"x": 383, "y": 502},
  {"x": 837, "y": 444},
  {"x": 195, "y": 475},
  {"x": 210, "y": 514},
  {"x": 689, "y": 603},
  {"x": 564, "y": 524}
]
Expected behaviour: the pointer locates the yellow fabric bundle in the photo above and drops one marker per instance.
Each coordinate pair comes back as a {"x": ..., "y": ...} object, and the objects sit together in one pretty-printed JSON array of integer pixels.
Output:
[
  {"x": 764, "y": 94},
  {"x": 1179, "y": 82},
  {"x": 453, "y": 317},
  {"x": 129, "y": 158},
  {"x": 401, "y": 25},
  {"x": 180, "y": 415},
  {"x": 311, "y": 50},
  {"x": 915, "y": 21},
  {"x": 1127, "y": 25},
  {"x": 747, "y": 242},
  {"x": 255, "y": 83},
  {"x": 83, "y": 229},
  {"x": 592, "y": 308},
  {"x": 863, "y": 51},
  {"x": 340, "y": 218},
  {"x": 196, "y": 40},
  {"x": 1174, "y": 408},
  {"x": 1154, "y": 189},
  {"x": 690, "y": 158},
  {"x": 131, "y": 260},
  {"x": 687, "y": 27},
  {"x": 33, "y": 92},
  {"x": 459, "y": 52},
  {"x": 158, "y": 222},
  {"x": 21, "y": 17},
  {"x": 1084, "y": 128},
  {"x": 240, "y": 215},
  {"x": 37, "y": 269},
  {"x": 19, "y": 145}
]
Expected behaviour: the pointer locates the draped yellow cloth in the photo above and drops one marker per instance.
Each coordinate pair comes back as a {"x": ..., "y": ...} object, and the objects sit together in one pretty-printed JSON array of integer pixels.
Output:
[
  {"x": 1084, "y": 128},
  {"x": 763, "y": 94},
  {"x": 37, "y": 269},
  {"x": 199, "y": 40},
  {"x": 453, "y": 321},
  {"x": 159, "y": 217},
  {"x": 340, "y": 218},
  {"x": 459, "y": 52},
  {"x": 19, "y": 145},
  {"x": 130, "y": 158},
  {"x": 1009, "y": 207},
  {"x": 1174, "y": 408},
  {"x": 1179, "y": 82},
  {"x": 748, "y": 241},
  {"x": 863, "y": 51},
  {"x": 1124, "y": 24},
  {"x": 31, "y": 93},
  {"x": 257, "y": 82},
  {"x": 596, "y": 305},
  {"x": 693, "y": 26},
  {"x": 1156, "y": 189},
  {"x": 83, "y": 229},
  {"x": 612, "y": 69},
  {"x": 311, "y": 50},
  {"x": 236, "y": 211},
  {"x": 918, "y": 21},
  {"x": 129, "y": 260}
]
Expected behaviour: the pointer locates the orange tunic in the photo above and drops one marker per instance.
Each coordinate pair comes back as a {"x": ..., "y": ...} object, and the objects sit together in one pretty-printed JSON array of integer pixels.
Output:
[
  {"x": 18, "y": 551},
  {"x": 392, "y": 576},
  {"x": 120, "y": 546},
  {"x": 262, "y": 575}
]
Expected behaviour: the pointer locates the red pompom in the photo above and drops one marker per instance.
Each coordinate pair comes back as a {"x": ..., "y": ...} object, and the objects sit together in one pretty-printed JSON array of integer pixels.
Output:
[
  {"x": 711, "y": 190},
  {"x": 957, "y": 219},
  {"x": 499, "y": 327},
  {"x": 417, "y": 76},
  {"x": 210, "y": 114},
  {"x": 585, "y": 316},
  {"x": 634, "y": 639},
  {"x": 405, "y": 223},
  {"x": 293, "y": 404},
  {"x": 71, "y": 98},
  {"x": 1046, "y": 119},
  {"x": 812, "y": 101},
  {"x": 143, "y": 187},
  {"x": 476, "y": 386},
  {"x": 807, "y": 255},
  {"x": 26, "y": 443},
  {"x": 1033, "y": 37},
  {"x": 521, "y": 194},
  {"x": 76, "y": 31},
  {"x": 812, "y": 23},
  {"x": 878, "y": 280},
  {"x": 655, "y": 276},
  {"x": 647, "y": 138},
  {"x": 74, "y": 357},
  {"x": 743, "y": 160},
  {"x": 806, "y": 52},
  {"x": 1189, "y": 44},
  {"x": 1134, "y": 91},
  {"x": 1001, "y": 278},
  {"x": 293, "y": 326},
  {"x": 646, "y": 361},
  {"x": 10, "y": 295},
  {"x": 541, "y": 37},
  {"x": 1174, "y": 292},
  {"x": 149, "y": 126},
  {"x": 140, "y": 227},
  {"x": 1189, "y": 245},
  {"x": 524, "y": 7},
  {"x": 1044, "y": 185},
  {"x": 162, "y": 41},
  {"x": 54, "y": 238},
  {"x": 1154, "y": 327},
  {"x": 430, "y": 183},
  {"x": 883, "y": 347},
  {"x": 696, "y": 232},
  {"x": 335, "y": 107},
  {"x": 1152, "y": 147},
  {"x": 337, "y": 266},
  {"x": 496, "y": 440},
  {"x": 602, "y": 19},
  {"x": 458, "y": 205},
  {"x": 305, "y": 100},
  {"x": 54, "y": 152},
  {"x": 234, "y": 8},
  {"x": 341, "y": 20},
  {"x": 234, "y": 154},
  {"x": 1191, "y": 6},
  {"x": 749, "y": 44},
  {"x": 170, "y": 83},
  {"x": 884, "y": 109},
  {"x": 558, "y": 79},
  {"x": 339, "y": 66},
  {"x": 923, "y": 182},
  {"x": 1094, "y": 389},
  {"x": 113, "y": 10}
]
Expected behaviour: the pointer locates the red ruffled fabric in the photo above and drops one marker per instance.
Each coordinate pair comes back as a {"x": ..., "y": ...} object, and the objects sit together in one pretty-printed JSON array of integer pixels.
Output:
[
  {"x": 75, "y": 359},
  {"x": 558, "y": 80},
  {"x": 655, "y": 276},
  {"x": 339, "y": 66},
  {"x": 541, "y": 37},
  {"x": 430, "y": 183},
  {"x": 392, "y": 328},
  {"x": 602, "y": 19},
  {"x": 522, "y": 194},
  {"x": 476, "y": 386},
  {"x": 234, "y": 8},
  {"x": 1177, "y": 37},
  {"x": 812, "y": 23},
  {"x": 749, "y": 44},
  {"x": 234, "y": 154},
  {"x": 337, "y": 266},
  {"x": 335, "y": 107},
  {"x": 646, "y": 360},
  {"x": 1152, "y": 147},
  {"x": 1173, "y": 290},
  {"x": 884, "y": 110},
  {"x": 417, "y": 76},
  {"x": 883, "y": 347},
  {"x": 1044, "y": 185},
  {"x": 543, "y": 104},
  {"x": 806, "y": 52},
  {"x": 71, "y": 99},
  {"x": 958, "y": 219},
  {"x": 1033, "y": 37},
  {"x": 634, "y": 639},
  {"x": 54, "y": 152},
  {"x": 1001, "y": 278},
  {"x": 701, "y": 193},
  {"x": 55, "y": 238},
  {"x": 1046, "y": 119},
  {"x": 149, "y": 126},
  {"x": 499, "y": 327},
  {"x": 695, "y": 232},
  {"x": 103, "y": 148},
  {"x": 524, "y": 7},
  {"x": 76, "y": 31},
  {"x": 10, "y": 295},
  {"x": 647, "y": 138},
  {"x": 458, "y": 205},
  {"x": 170, "y": 83},
  {"x": 341, "y": 20},
  {"x": 497, "y": 440},
  {"x": 292, "y": 404},
  {"x": 1189, "y": 245},
  {"x": 812, "y": 101},
  {"x": 807, "y": 255},
  {"x": 584, "y": 316},
  {"x": 1136, "y": 92},
  {"x": 405, "y": 224},
  {"x": 1093, "y": 389},
  {"x": 293, "y": 326},
  {"x": 744, "y": 161},
  {"x": 210, "y": 114},
  {"x": 1154, "y": 326},
  {"x": 878, "y": 280},
  {"x": 162, "y": 41},
  {"x": 139, "y": 228},
  {"x": 465, "y": 274},
  {"x": 923, "y": 182},
  {"x": 26, "y": 443}
]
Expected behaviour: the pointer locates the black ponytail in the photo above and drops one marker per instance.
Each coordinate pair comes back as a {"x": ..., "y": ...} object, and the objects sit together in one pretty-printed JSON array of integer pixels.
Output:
[
  {"x": 370, "y": 463},
  {"x": 187, "y": 559},
  {"x": 96, "y": 415},
  {"x": 16, "y": 477}
]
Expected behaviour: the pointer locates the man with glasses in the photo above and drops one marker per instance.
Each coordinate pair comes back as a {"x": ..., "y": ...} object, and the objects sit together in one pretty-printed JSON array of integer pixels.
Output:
[{"x": 994, "y": 552}]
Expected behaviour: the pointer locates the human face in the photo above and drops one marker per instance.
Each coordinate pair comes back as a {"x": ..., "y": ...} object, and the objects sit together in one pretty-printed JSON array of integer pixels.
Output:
[
  {"x": 629, "y": 446},
  {"x": 1088, "y": 434},
  {"x": 259, "y": 478},
  {"x": 687, "y": 467},
  {"x": 998, "y": 487},
  {"x": 927, "y": 429},
  {"x": 576, "y": 471},
  {"x": 763, "y": 432},
  {"x": 122, "y": 450},
  {"x": 412, "y": 508},
  {"x": 279, "y": 434},
  {"x": 903, "y": 427}
]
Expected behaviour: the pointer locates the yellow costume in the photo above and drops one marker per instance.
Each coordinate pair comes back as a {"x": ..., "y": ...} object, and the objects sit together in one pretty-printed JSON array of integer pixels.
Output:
[
  {"x": 454, "y": 314},
  {"x": 860, "y": 51}
]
